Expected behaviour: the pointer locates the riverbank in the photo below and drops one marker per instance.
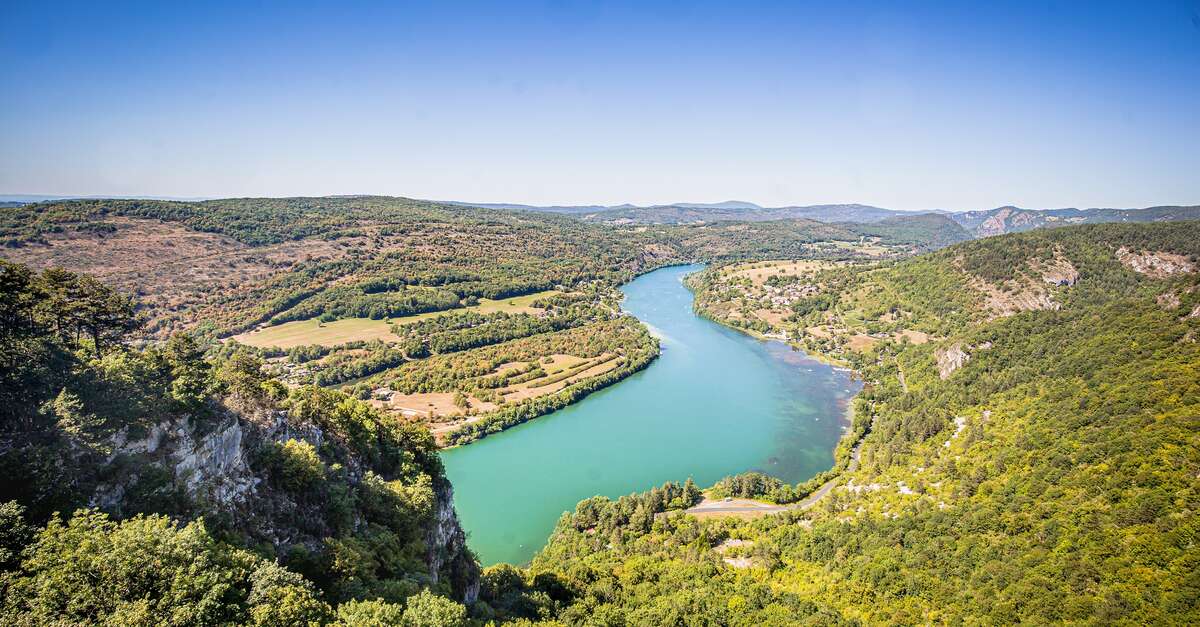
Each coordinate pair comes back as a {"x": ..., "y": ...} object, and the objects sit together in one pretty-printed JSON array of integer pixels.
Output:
[
  {"x": 477, "y": 427},
  {"x": 496, "y": 422},
  {"x": 846, "y": 451},
  {"x": 765, "y": 408}
]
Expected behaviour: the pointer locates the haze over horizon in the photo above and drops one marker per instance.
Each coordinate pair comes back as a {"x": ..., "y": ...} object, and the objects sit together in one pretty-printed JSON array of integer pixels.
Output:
[{"x": 933, "y": 106}]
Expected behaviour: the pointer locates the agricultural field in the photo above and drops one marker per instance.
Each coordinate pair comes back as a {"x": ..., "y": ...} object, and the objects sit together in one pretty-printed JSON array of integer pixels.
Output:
[
  {"x": 316, "y": 332},
  {"x": 346, "y": 330},
  {"x": 446, "y": 411},
  {"x": 510, "y": 381},
  {"x": 759, "y": 272}
]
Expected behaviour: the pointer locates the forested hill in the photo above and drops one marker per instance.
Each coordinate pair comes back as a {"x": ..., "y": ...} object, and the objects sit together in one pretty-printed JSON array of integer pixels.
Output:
[
  {"x": 224, "y": 266},
  {"x": 1035, "y": 461}
]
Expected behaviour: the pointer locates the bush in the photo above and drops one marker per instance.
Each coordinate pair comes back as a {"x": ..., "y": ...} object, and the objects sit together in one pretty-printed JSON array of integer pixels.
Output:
[
  {"x": 429, "y": 610},
  {"x": 294, "y": 465}
]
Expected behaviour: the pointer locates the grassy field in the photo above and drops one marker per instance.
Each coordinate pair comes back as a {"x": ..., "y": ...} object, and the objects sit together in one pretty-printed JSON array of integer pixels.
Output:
[{"x": 305, "y": 332}]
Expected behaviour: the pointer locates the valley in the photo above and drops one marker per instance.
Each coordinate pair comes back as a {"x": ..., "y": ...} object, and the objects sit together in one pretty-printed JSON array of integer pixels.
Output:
[
  {"x": 714, "y": 403},
  {"x": 600, "y": 314},
  {"x": 346, "y": 361}
]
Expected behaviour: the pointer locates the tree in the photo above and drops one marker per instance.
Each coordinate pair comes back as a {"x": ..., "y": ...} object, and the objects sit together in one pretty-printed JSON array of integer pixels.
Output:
[
  {"x": 691, "y": 494},
  {"x": 461, "y": 401},
  {"x": 15, "y": 534},
  {"x": 280, "y": 597},
  {"x": 107, "y": 316},
  {"x": 243, "y": 378},
  {"x": 370, "y": 613},
  {"x": 191, "y": 375},
  {"x": 77, "y": 306},
  {"x": 295, "y": 465},
  {"x": 429, "y": 610},
  {"x": 73, "y": 420},
  {"x": 642, "y": 519},
  {"x": 146, "y": 570}
]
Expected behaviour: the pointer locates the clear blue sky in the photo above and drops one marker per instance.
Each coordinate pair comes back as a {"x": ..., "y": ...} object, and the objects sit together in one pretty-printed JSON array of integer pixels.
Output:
[{"x": 911, "y": 105}]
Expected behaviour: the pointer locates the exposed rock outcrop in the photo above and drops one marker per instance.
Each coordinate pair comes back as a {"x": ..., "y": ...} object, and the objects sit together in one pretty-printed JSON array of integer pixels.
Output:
[
  {"x": 214, "y": 467},
  {"x": 210, "y": 466},
  {"x": 446, "y": 545},
  {"x": 1155, "y": 264},
  {"x": 1168, "y": 300},
  {"x": 1057, "y": 271},
  {"x": 950, "y": 359}
]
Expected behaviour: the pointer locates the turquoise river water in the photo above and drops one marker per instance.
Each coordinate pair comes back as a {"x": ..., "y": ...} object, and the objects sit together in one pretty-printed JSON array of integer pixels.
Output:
[{"x": 716, "y": 402}]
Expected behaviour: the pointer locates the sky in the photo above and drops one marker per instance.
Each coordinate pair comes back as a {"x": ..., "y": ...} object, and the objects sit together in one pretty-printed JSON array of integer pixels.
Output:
[{"x": 906, "y": 105}]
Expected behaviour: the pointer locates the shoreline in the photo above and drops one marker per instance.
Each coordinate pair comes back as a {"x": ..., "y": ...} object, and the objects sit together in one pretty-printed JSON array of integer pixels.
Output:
[
  {"x": 840, "y": 466},
  {"x": 475, "y": 430}
]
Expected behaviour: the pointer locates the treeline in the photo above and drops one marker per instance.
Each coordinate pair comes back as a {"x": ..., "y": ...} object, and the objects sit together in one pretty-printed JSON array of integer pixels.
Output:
[
  {"x": 345, "y": 367},
  {"x": 468, "y": 331},
  {"x": 351, "y": 302}
]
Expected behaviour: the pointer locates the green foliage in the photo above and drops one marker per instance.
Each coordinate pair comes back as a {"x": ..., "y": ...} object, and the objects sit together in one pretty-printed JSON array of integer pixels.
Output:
[
  {"x": 349, "y": 496},
  {"x": 279, "y": 598},
  {"x": 191, "y": 383},
  {"x": 146, "y": 570},
  {"x": 428, "y": 610},
  {"x": 1048, "y": 479},
  {"x": 370, "y": 614},
  {"x": 295, "y": 465},
  {"x": 754, "y": 485},
  {"x": 15, "y": 534}
]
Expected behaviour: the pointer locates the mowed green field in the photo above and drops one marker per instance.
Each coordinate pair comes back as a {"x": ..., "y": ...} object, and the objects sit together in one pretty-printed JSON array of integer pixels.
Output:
[{"x": 305, "y": 332}]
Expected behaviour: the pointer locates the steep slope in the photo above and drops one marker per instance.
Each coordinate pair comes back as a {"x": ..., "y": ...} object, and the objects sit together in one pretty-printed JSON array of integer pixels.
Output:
[
  {"x": 1028, "y": 464},
  {"x": 355, "y": 503}
]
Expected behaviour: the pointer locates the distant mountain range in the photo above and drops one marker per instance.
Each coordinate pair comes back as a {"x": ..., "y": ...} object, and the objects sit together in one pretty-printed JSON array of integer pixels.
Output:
[
  {"x": 983, "y": 223},
  {"x": 16, "y": 200},
  {"x": 685, "y": 212},
  {"x": 1007, "y": 219}
]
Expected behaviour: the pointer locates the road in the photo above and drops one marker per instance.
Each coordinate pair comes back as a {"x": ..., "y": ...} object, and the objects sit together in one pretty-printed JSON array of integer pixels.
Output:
[{"x": 747, "y": 506}]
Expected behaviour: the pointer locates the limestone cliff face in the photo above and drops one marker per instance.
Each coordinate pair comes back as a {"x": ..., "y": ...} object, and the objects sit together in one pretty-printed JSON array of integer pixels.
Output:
[
  {"x": 446, "y": 543},
  {"x": 210, "y": 466},
  {"x": 210, "y": 469}
]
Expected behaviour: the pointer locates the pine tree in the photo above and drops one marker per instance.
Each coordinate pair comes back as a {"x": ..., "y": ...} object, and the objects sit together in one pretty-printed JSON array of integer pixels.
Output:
[{"x": 691, "y": 494}]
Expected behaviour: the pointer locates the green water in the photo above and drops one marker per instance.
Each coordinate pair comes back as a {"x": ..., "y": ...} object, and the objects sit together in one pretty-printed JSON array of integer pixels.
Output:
[{"x": 717, "y": 402}]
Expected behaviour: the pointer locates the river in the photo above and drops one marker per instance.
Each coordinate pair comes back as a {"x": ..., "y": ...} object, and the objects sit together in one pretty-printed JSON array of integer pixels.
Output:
[{"x": 716, "y": 402}]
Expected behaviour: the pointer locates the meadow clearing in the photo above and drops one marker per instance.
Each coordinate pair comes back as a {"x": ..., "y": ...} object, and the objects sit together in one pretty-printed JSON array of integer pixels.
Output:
[{"x": 313, "y": 331}]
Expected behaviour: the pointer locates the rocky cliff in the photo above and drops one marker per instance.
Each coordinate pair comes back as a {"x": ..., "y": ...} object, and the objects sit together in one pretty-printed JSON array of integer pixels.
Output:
[{"x": 219, "y": 470}]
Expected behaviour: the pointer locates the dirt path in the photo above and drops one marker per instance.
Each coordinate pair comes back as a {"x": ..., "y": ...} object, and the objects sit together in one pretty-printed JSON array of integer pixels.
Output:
[
  {"x": 751, "y": 508},
  {"x": 734, "y": 506}
]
